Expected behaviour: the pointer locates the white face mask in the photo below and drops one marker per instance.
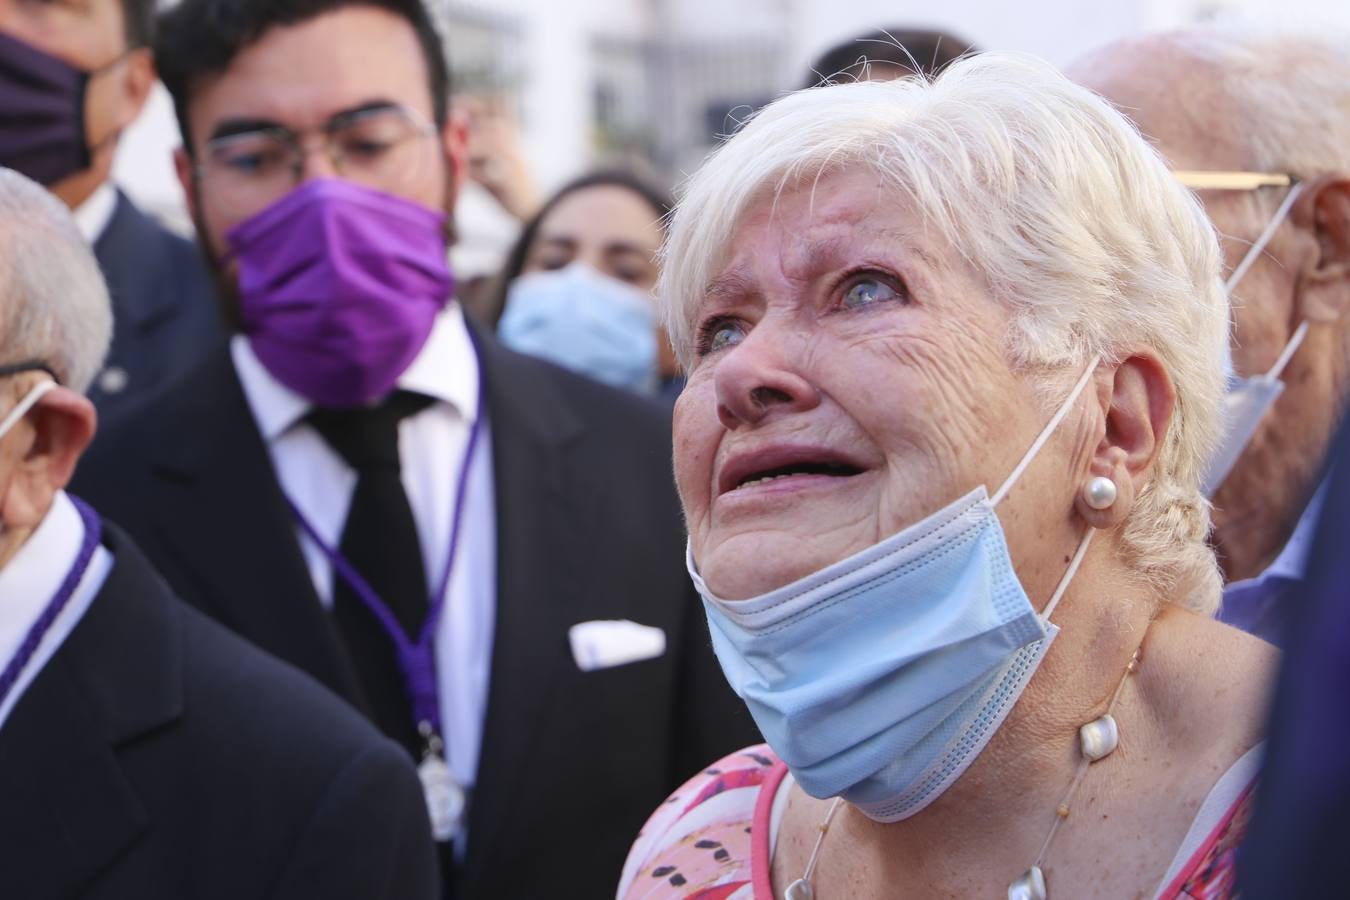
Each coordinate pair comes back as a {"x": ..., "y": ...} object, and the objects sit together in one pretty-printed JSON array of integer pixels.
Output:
[
  {"x": 29, "y": 400},
  {"x": 1249, "y": 399}
]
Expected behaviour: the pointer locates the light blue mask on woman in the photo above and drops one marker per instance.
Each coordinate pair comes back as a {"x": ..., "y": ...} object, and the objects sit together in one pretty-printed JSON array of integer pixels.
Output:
[
  {"x": 585, "y": 321},
  {"x": 882, "y": 677}
]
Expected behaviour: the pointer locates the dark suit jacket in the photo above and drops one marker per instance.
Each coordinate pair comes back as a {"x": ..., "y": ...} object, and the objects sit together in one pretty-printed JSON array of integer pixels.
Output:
[
  {"x": 156, "y": 755},
  {"x": 1302, "y": 819},
  {"x": 165, "y": 313},
  {"x": 588, "y": 528}
]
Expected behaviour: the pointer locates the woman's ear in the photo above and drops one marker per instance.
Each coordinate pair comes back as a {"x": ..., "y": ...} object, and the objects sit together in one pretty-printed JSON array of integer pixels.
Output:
[{"x": 1138, "y": 411}]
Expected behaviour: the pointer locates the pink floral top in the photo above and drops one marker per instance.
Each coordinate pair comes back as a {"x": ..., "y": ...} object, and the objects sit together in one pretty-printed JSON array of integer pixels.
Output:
[{"x": 711, "y": 839}]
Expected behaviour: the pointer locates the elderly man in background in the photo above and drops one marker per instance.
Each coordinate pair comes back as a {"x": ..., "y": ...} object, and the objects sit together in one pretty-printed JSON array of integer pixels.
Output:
[
  {"x": 73, "y": 77},
  {"x": 1260, "y": 126},
  {"x": 144, "y": 751}
]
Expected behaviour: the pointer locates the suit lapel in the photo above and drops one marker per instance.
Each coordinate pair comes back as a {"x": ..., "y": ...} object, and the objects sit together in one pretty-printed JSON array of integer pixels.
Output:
[
  {"x": 536, "y": 511},
  {"x": 222, "y": 515},
  {"x": 67, "y": 810}
]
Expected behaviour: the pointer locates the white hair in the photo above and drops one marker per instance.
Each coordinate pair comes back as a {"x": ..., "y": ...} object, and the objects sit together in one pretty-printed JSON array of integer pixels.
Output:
[
  {"x": 54, "y": 305},
  {"x": 1051, "y": 196}
]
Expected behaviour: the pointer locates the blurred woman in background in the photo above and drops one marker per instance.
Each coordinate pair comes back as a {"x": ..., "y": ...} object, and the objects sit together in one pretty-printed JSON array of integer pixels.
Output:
[{"x": 577, "y": 286}]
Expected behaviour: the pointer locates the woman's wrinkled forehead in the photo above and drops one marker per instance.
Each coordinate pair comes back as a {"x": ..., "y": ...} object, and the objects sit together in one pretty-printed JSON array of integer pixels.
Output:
[{"x": 841, "y": 218}]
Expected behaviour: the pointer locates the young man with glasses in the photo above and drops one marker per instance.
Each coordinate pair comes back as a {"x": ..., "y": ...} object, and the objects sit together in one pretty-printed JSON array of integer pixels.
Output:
[
  {"x": 479, "y": 550},
  {"x": 73, "y": 77},
  {"x": 1259, "y": 126}
]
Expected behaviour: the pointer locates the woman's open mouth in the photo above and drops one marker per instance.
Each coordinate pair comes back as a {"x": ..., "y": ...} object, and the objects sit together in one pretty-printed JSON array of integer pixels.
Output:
[{"x": 782, "y": 463}]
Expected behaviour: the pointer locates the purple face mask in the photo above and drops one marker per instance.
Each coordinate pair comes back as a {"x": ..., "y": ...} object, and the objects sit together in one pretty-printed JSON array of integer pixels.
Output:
[
  {"x": 41, "y": 113},
  {"x": 339, "y": 286}
]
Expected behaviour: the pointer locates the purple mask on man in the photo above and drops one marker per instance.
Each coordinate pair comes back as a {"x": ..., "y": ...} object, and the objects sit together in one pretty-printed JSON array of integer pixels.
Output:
[
  {"x": 339, "y": 287},
  {"x": 41, "y": 113}
]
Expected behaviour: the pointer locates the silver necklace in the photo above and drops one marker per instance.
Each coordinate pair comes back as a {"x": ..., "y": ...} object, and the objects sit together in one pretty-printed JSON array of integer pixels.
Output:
[{"x": 1096, "y": 741}]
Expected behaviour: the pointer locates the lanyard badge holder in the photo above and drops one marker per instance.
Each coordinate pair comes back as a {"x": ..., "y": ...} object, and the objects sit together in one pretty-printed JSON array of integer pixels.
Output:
[{"x": 446, "y": 798}]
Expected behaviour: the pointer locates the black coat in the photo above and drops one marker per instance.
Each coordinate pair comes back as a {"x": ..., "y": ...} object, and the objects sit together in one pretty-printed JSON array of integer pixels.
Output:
[
  {"x": 165, "y": 314},
  {"x": 588, "y": 527},
  {"x": 156, "y": 755}
]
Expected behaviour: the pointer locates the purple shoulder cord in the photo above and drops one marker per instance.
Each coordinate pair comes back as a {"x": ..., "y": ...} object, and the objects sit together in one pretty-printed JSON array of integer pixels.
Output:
[{"x": 93, "y": 532}]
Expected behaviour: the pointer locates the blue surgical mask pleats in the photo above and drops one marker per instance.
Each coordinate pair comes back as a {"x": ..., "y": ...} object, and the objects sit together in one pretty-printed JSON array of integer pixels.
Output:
[{"x": 867, "y": 676}]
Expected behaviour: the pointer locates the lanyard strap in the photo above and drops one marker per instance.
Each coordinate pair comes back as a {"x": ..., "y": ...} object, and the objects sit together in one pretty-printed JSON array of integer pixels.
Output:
[
  {"x": 93, "y": 532},
  {"x": 416, "y": 658}
]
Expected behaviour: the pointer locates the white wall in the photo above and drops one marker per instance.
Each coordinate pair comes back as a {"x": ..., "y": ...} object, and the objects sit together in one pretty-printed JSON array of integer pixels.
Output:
[
  {"x": 557, "y": 96},
  {"x": 1055, "y": 29}
]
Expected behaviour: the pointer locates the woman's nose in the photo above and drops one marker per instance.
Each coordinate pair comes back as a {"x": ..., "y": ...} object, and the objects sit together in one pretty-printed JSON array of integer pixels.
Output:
[{"x": 760, "y": 378}]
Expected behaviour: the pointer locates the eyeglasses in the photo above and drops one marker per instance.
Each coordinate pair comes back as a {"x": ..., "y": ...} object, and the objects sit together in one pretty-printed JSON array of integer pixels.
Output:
[
  {"x": 378, "y": 147},
  {"x": 1232, "y": 181},
  {"x": 1246, "y": 181}
]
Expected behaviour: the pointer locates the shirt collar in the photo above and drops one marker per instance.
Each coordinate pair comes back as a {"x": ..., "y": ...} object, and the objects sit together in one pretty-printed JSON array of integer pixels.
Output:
[
  {"x": 446, "y": 369},
  {"x": 32, "y": 577},
  {"x": 93, "y": 215},
  {"x": 1293, "y": 559}
]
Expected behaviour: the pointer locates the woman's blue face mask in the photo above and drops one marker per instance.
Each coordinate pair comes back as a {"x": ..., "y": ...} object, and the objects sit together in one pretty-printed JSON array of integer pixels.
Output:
[{"x": 584, "y": 321}]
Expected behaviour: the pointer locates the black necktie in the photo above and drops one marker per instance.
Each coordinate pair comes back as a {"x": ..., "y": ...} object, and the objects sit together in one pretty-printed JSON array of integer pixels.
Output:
[{"x": 380, "y": 542}]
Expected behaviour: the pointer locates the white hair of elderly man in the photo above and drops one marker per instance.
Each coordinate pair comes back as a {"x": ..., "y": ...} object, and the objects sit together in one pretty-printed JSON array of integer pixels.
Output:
[{"x": 54, "y": 305}]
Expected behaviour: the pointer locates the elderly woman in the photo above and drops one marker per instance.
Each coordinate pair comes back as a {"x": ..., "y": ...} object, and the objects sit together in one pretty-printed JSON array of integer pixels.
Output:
[{"x": 954, "y": 371}]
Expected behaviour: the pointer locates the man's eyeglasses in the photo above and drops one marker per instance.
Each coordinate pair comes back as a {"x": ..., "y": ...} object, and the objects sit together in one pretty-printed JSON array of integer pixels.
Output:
[
  {"x": 378, "y": 147},
  {"x": 1232, "y": 181},
  {"x": 1246, "y": 181}
]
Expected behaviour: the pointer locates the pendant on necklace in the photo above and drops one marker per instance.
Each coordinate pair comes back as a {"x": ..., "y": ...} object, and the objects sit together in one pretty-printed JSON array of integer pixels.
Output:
[
  {"x": 799, "y": 890},
  {"x": 1030, "y": 886},
  {"x": 445, "y": 798},
  {"x": 1099, "y": 738}
]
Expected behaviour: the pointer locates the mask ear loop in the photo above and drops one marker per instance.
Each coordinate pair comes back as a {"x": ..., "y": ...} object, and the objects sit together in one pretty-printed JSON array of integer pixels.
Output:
[
  {"x": 1046, "y": 432},
  {"x": 1255, "y": 252},
  {"x": 30, "y": 400},
  {"x": 1295, "y": 341},
  {"x": 1036, "y": 446}
]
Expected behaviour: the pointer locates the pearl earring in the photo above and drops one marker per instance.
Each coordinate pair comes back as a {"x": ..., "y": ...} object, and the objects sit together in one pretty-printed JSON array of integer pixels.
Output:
[{"x": 1100, "y": 493}]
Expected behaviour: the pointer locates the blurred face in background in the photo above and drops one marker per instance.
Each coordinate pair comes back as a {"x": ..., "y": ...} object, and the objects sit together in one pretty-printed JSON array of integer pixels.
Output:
[
  {"x": 91, "y": 36},
  {"x": 614, "y": 231},
  {"x": 607, "y": 227},
  {"x": 338, "y": 73}
]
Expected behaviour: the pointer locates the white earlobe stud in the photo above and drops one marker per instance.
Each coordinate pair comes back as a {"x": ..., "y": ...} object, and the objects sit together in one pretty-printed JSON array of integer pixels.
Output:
[{"x": 1100, "y": 493}]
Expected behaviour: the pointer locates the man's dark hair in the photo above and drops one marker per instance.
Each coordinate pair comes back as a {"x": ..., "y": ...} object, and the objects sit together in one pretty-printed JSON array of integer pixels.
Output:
[
  {"x": 912, "y": 51},
  {"x": 139, "y": 16},
  {"x": 200, "y": 38}
]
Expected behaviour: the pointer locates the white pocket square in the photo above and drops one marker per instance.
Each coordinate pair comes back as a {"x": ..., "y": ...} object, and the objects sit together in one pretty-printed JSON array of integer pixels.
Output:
[{"x": 605, "y": 643}]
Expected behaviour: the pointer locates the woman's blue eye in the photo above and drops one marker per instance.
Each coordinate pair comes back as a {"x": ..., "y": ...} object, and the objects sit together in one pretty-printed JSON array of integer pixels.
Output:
[
  {"x": 868, "y": 291},
  {"x": 719, "y": 333},
  {"x": 727, "y": 334}
]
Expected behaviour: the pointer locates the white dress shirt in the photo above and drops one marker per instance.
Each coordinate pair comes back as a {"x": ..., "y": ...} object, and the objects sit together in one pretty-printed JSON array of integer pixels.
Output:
[
  {"x": 431, "y": 450},
  {"x": 30, "y": 580},
  {"x": 93, "y": 215}
]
